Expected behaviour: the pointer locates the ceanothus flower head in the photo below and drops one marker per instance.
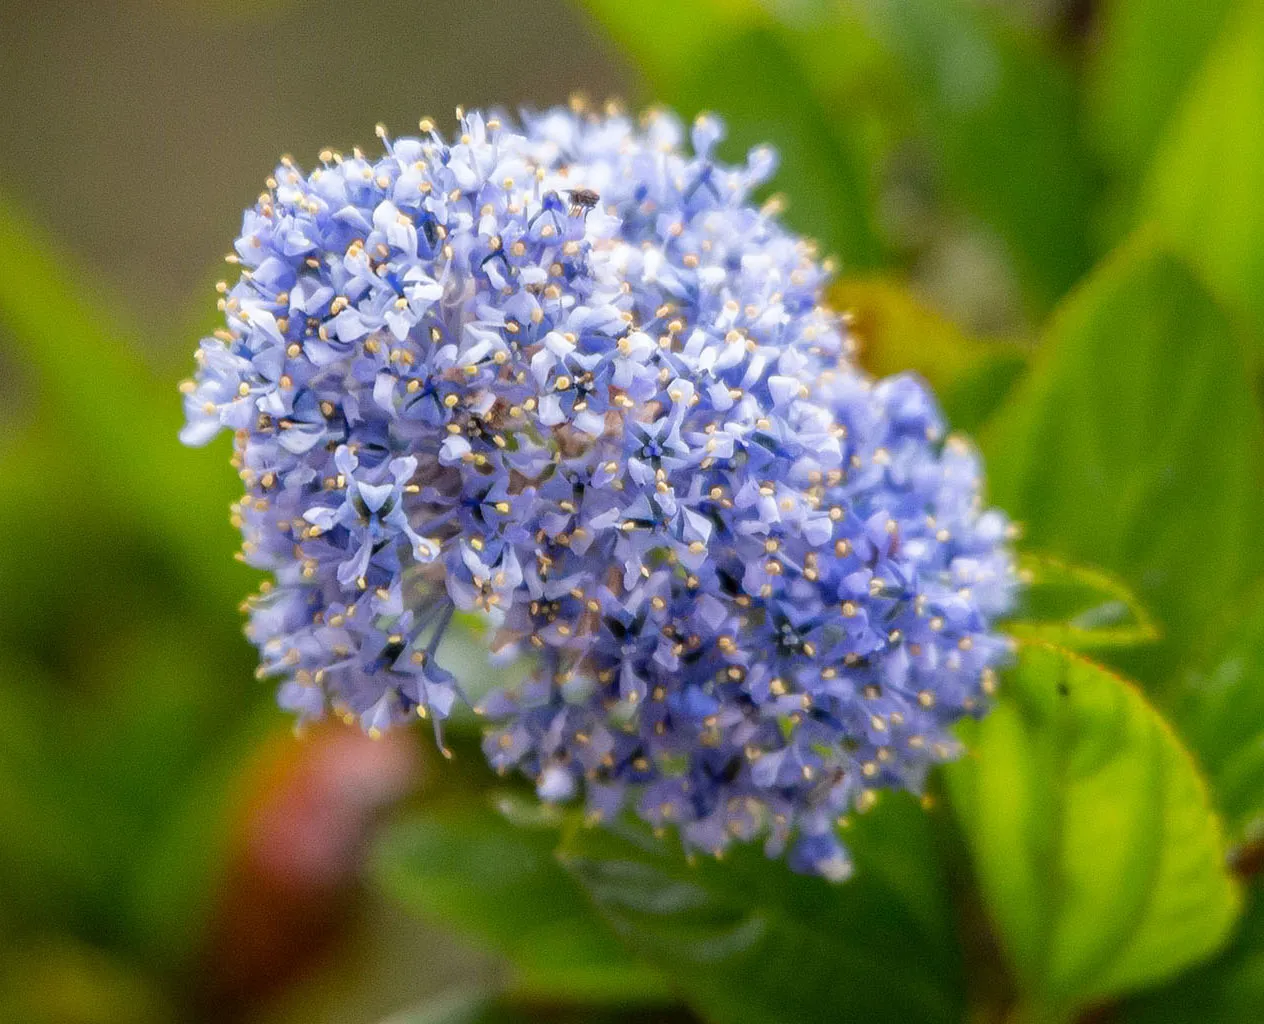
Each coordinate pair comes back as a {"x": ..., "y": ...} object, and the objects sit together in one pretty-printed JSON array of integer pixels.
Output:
[{"x": 566, "y": 375}]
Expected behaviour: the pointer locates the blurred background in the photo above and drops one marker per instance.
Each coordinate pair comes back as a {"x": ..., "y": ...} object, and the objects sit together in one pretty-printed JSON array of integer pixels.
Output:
[{"x": 169, "y": 850}]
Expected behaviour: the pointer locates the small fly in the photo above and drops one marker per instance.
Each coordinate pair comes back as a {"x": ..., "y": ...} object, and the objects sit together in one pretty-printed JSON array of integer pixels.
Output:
[{"x": 582, "y": 200}]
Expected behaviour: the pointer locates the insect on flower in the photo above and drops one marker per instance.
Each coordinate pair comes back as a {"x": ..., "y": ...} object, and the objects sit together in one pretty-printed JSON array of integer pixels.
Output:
[{"x": 582, "y": 200}]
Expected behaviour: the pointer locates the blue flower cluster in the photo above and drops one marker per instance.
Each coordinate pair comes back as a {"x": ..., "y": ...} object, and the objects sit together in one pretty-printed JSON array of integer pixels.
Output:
[{"x": 567, "y": 375}]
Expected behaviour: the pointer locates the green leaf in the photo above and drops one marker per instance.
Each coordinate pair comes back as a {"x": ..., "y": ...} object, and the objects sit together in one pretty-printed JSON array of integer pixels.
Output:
[
  {"x": 61, "y": 981},
  {"x": 1002, "y": 113},
  {"x": 1145, "y": 56},
  {"x": 472, "y": 1007},
  {"x": 179, "y": 870},
  {"x": 1095, "y": 847},
  {"x": 747, "y": 941},
  {"x": 898, "y": 333},
  {"x": 1207, "y": 189},
  {"x": 122, "y": 421},
  {"x": 1221, "y": 715},
  {"x": 114, "y": 798},
  {"x": 467, "y": 655},
  {"x": 1135, "y": 444},
  {"x": 729, "y": 57},
  {"x": 999, "y": 108},
  {"x": 1230, "y": 989},
  {"x": 459, "y": 1007},
  {"x": 462, "y": 1006},
  {"x": 498, "y": 882},
  {"x": 41, "y": 833},
  {"x": 666, "y": 38},
  {"x": 1077, "y": 607}
]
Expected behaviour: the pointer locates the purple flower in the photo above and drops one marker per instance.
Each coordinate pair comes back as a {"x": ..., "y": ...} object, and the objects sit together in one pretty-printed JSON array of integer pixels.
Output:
[{"x": 754, "y": 583}]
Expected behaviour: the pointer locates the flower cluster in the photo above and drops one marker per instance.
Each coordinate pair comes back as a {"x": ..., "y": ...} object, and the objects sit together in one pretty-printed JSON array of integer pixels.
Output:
[{"x": 567, "y": 375}]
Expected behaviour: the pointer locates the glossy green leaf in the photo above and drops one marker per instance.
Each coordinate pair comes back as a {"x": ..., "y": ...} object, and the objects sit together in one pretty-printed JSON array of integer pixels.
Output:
[
  {"x": 1092, "y": 835},
  {"x": 1229, "y": 990},
  {"x": 1221, "y": 716},
  {"x": 730, "y": 57},
  {"x": 1077, "y": 607},
  {"x": 747, "y": 941},
  {"x": 1135, "y": 444},
  {"x": 897, "y": 333},
  {"x": 498, "y": 882},
  {"x": 1207, "y": 189},
  {"x": 1145, "y": 55}
]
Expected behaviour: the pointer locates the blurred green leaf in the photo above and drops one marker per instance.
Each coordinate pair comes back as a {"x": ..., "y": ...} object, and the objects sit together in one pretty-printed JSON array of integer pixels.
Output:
[
  {"x": 747, "y": 941},
  {"x": 40, "y": 833},
  {"x": 1135, "y": 444},
  {"x": 1002, "y": 112},
  {"x": 667, "y": 38},
  {"x": 498, "y": 881},
  {"x": 897, "y": 333},
  {"x": 114, "y": 804},
  {"x": 1144, "y": 57},
  {"x": 1000, "y": 108},
  {"x": 177, "y": 875},
  {"x": 1229, "y": 990},
  {"x": 116, "y": 692},
  {"x": 467, "y": 655},
  {"x": 460, "y": 1007},
  {"x": 1221, "y": 715},
  {"x": 1078, "y": 607},
  {"x": 1093, "y": 840},
  {"x": 135, "y": 677},
  {"x": 729, "y": 57},
  {"x": 60, "y": 981},
  {"x": 1207, "y": 189},
  {"x": 463, "y": 1007},
  {"x": 121, "y": 420},
  {"x": 151, "y": 724}
]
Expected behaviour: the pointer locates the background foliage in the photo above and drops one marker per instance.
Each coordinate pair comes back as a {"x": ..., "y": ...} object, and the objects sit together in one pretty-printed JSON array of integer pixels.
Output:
[{"x": 1053, "y": 210}]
